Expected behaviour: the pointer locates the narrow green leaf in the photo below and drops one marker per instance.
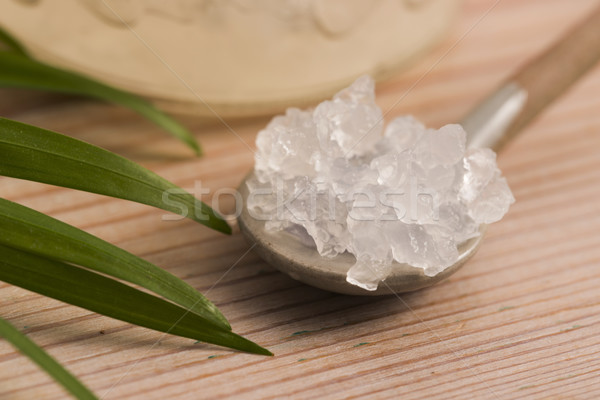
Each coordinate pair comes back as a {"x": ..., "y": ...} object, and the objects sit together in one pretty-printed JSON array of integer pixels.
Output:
[
  {"x": 34, "y": 232},
  {"x": 11, "y": 42},
  {"x": 36, "y": 154},
  {"x": 17, "y": 70},
  {"x": 45, "y": 361},
  {"x": 109, "y": 297}
]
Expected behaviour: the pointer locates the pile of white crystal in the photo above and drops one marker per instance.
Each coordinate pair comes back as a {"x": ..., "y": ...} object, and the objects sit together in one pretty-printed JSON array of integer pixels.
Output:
[{"x": 339, "y": 181}]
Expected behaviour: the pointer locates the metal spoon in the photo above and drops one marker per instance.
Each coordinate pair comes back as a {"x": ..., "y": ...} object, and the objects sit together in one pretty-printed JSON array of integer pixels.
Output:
[{"x": 491, "y": 124}]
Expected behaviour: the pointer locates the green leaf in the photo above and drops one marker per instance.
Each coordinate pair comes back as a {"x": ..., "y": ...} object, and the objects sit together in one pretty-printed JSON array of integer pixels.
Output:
[
  {"x": 36, "y": 154},
  {"x": 109, "y": 297},
  {"x": 17, "y": 70},
  {"x": 11, "y": 42},
  {"x": 45, "y": 361},
  {"x": 34, "y": 232}
]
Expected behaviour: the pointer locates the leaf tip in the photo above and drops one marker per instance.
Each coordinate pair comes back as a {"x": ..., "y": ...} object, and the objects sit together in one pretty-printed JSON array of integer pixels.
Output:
[
  {"x": 263, "y": 352},
  {"x": 221, "y": 225},
  {"x": 195, "y": 146},
  {"x": 227, "y": 229}
]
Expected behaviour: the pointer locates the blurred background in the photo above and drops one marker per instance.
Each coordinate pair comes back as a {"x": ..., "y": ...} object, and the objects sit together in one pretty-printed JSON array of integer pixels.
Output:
[{"x": 233, "y": 57}]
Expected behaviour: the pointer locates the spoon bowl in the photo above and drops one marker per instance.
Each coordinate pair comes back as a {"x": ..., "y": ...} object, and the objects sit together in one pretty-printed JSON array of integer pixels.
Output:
[{"x": 288, "y": 254}]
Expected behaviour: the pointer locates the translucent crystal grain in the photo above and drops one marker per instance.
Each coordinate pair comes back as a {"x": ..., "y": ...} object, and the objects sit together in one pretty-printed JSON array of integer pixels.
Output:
[
  {"x": 338, "y": 181},
  {"x": 351, "y": 123}
]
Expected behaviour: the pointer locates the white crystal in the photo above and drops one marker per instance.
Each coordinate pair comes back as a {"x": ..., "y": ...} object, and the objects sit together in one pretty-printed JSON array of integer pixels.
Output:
[
  {"x": 351, "y": 123},
  {"x": 367, "y": 272},
  {"x": 403, "y": 132},
  {"x": 492, "y": 203},
  {"x": 287, "y": 146},
  {"x": 341, "y": 183}
]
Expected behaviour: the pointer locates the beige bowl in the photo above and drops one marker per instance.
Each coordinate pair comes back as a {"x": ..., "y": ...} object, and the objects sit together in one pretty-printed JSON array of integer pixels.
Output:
[{"x": 233, "y": 57}]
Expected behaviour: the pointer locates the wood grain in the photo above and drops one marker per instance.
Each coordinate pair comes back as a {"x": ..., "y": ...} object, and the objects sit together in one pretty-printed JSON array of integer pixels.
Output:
[{"x": 520, "y": 320}]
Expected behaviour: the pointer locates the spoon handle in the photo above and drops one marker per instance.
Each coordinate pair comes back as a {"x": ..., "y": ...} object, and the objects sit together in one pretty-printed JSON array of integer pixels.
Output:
[{"x": 526, "y": 93}]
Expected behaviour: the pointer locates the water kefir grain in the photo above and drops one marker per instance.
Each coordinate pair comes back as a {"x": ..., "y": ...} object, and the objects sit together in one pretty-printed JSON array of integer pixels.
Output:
[{"x": 340, "y": 181}]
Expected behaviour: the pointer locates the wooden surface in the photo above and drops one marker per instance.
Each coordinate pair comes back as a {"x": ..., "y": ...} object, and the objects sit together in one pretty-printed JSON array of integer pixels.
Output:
[{"x": 520, "y": 320}]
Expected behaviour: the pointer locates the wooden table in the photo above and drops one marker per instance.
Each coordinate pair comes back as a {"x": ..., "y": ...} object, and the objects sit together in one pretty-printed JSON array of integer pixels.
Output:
[{"x": 521, "y": 320}]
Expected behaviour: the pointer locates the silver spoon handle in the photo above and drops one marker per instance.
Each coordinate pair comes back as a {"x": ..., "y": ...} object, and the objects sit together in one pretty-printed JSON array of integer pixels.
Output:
[{"x": 526, "y": 93}]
